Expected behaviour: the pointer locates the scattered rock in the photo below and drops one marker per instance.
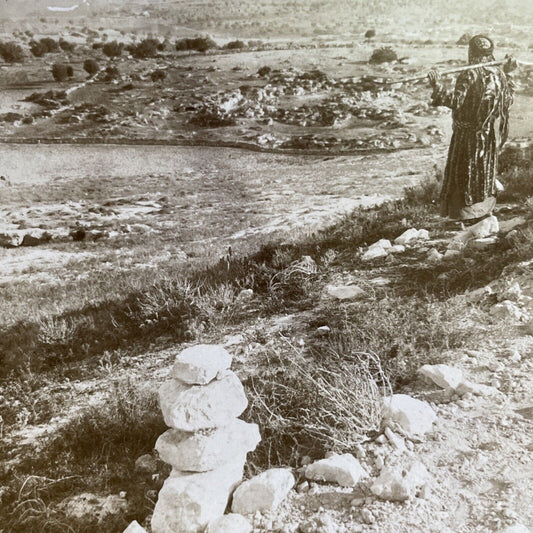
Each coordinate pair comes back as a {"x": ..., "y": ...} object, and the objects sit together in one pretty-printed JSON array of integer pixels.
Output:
[
  {"x": 450, "y": 254},
  {"x": 479, "y": 294},
  {"x": 512, "y": 293},
  {"x": 189, "y": 502},
  {"x": 135, "y": 527},
  {"x": 35, "y": 237},
  {"x": 323, "y": 523},
  {"x": 397, "y": 249},
  {"x": 384, "y": 244},
  {"x": 380, "y": 282},
  {"x": 516, "y": 528},
  {"x": 196, "y": 407},
  {"x": 482, "y": 244},
  {"x": 485, "y": 228},
  {"x": 367, "y": 516},
  {"x": 434, "y": 256},
  {"x": 207, "y": 450},
  {"x": 456, "y": 245},
  {"x": 230, "y": 523},
  {"x": 345, "y": 470},
  {"x": 348, "y": 292},
  {"x": 396, "y": 441},
  {"x": 263, "y": 492},
  {"x": 146, "y": 464},
  {"x": 88, "y": 506},
  {"x": 443, "y": 375},
  {"x": 410, "y": 235},
  {"x": 401, "y": 482},
  {"x": 245, "y": 295},
  {"x": 198, "y": 365},
  {"x": 467, "y": 387},
  {"x": 11, "y": 239},
  {"x": 374, "y": 253},
  {"x": 303, "y": 487},
  {"x": 507, "y": 309},
  {"x": 508, "y": 225},
  {"x": 414, "y": 416}
]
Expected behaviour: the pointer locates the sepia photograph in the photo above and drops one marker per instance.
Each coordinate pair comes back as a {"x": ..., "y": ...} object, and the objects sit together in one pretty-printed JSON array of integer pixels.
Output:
[{"x": 266, "y": 266}]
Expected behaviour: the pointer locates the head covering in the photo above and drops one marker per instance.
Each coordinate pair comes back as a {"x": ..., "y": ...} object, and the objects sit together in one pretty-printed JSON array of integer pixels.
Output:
[{"x": 480, "y": 46}]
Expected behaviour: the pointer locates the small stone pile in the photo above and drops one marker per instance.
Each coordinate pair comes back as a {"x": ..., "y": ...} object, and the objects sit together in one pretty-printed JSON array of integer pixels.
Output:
[{"x": 206, "y": 445}]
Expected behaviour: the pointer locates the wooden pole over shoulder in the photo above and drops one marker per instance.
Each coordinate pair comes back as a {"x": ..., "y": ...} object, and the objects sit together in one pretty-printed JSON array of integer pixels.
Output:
[{"x": 447, "y": 72}]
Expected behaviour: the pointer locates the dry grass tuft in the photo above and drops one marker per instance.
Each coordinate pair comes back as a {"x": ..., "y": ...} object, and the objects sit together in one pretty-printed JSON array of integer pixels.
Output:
[{"x": 308, "y": 406}]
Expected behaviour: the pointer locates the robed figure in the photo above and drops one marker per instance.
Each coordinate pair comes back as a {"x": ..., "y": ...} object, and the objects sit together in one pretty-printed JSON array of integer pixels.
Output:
[{"x": 480, "y": 105}]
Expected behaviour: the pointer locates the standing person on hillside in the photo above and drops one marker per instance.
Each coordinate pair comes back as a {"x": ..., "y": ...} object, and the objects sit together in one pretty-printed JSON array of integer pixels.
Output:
[{"x": 480, "y": 105}]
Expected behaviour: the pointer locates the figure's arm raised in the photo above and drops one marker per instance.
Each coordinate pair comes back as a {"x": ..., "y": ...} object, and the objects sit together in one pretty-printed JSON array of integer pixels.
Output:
[{"x": 452, "y": 99}]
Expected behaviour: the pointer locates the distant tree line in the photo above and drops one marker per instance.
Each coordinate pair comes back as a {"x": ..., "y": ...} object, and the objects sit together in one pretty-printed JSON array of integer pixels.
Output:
[
  {"x": 47, "y": 45},
  {"x": 11, "y": 52}
]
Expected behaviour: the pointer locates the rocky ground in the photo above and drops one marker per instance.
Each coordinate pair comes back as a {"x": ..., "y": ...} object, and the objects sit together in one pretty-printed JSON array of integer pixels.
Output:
[
  {"x": 466, "y": 469},
  {"x": 82, "y": 229}
]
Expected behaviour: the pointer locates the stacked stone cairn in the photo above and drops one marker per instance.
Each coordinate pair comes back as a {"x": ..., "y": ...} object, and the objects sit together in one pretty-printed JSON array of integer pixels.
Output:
[{"x": 206, "y": 444}]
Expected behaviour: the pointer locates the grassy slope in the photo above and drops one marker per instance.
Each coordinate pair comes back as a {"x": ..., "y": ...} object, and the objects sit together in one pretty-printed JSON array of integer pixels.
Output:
[{"x": 377, "y": 342}]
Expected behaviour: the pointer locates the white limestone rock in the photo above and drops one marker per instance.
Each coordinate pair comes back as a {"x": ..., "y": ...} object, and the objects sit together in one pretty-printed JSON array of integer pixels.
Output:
[
  {"x": 400, "y": 482},
  {"x": 380, "y": 281},
  {"x": 230, "y": 523},
  {"x": 456, "y": 245},
  {"x": 407, "y": 236},
  {"x": 245, "y": 295},
  {"x": 347, "y": 292},
  {"x": 450, "y": 254},
  {"x": 477, "y": 389},
  {"x": 423, "y": 235},
  {"x": 477, "y": 295},
  {"x": 396, "y": 441},
  {"x": 482, "y": 244},
  {"x": 397, "y": 249},
  {"x": 513, "y": 293},
  {"x": 345, "y": 470},
  {"x": 414, "y": 416},
  {"x": 374, "y": 253},
  {"x": 507, "y": 309},
  {"x": 444, "y": 376},
  {"x": 82, "y": 506},
  {"x": 209, "y": 449},
  {"x": 198, "y": 365},
  {"x": 189, "y": 502},
  {"x": 11, "y": 239},
  {"x": 434, "y": 256},
  {"x": 486, "y": 227},
  {"x": 516, "y": 528},
  {"x": 508, "y": 225},
  {"x": 196, "y": 407},
  {"x": 382, "y": 243},
  {"x": 135, "y": 527},
  {"x": 263, "y": 492}
]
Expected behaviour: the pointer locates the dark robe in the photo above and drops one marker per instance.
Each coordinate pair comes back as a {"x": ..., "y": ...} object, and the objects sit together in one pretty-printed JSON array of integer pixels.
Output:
[{"x": 480, "y": 105}]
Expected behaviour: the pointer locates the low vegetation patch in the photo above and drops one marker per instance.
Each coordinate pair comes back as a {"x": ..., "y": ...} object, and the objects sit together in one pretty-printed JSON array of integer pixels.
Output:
[
  {"x": 383, "y": 55},
  {"x": 309, "y": 404},
  {"x": 93, "y": 452}
]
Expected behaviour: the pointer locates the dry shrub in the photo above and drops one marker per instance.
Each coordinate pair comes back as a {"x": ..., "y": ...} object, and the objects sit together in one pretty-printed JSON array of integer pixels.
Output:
[
  {"x": 126, "y": 425},
  {"x": 426, "y": 192},
  {"x": 384, "y": 54},
  {"x": 308, "y": 406}
]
